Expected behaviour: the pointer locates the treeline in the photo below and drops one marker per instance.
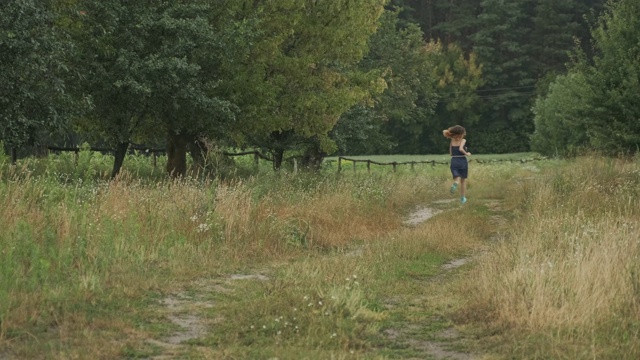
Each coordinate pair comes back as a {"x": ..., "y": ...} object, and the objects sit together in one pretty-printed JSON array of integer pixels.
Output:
[
  {"x": 307, "y": 77},
  {"x": 520, "y": 45}
]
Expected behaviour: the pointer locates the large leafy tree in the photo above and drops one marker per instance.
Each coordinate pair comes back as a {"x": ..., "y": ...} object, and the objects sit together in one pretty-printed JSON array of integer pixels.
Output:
[
  {"x": 151, "y": 71},
  {"x": 302, "y": 75},
  {"x": 407, "y": 103},
  {"x": 614, "y": 122},
  {"x": 421, "y": 77},
  {"x": 600, "y": 99},
  {"x": 34, "y": 100},
  {"x": 458, "y": 77},
  {"x": 398, "y": 114},
  {"x": 559, "y": 116}
]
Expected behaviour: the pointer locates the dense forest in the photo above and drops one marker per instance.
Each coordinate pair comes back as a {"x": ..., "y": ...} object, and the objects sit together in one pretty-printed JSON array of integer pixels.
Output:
[
  {"x": 315, "y": 78},
  {"x": 520, "y": 46}
]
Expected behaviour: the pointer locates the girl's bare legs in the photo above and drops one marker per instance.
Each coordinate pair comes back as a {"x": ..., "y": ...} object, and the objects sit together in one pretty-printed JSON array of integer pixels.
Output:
[
  {"x": 463, "y": 190},
  {"x": 454, "y": 186}
]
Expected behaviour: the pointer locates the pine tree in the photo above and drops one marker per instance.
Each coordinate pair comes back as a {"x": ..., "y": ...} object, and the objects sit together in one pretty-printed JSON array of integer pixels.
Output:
[{"x": 502, "y": 45}]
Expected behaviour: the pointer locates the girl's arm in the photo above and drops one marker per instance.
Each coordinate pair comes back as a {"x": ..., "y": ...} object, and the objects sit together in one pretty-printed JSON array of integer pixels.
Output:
[
  {"x": 450, "y": 148},
  {"x": 462, "y": 150}
]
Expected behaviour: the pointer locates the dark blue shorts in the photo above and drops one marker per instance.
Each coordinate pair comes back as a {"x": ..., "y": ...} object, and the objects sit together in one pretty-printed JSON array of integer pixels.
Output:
[
  {"x": 459, "y": 167},
  {"x": 459, "y": 173}
]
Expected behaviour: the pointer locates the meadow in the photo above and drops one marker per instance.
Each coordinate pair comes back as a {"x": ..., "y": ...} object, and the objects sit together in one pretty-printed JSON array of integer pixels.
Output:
[{"x": 259, "y": 265}]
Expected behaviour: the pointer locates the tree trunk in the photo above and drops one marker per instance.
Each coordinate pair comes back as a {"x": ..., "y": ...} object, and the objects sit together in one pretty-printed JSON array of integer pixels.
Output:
[
  {"x": 198, "y": 150},
  {"x": 312, "y": 158},
  {"x": 121, "y": 152},
  {"x": 278, "y": 157},
  {"x": 177, "y": 155}
]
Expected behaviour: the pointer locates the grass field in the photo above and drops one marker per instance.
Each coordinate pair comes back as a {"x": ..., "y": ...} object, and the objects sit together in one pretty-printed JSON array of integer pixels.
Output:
[{"x": 541, "y": 263}]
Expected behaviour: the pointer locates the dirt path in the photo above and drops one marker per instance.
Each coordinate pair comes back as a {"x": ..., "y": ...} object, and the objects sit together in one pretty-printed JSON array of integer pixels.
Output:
[
  {"x": 437, "y": 339},
  {"x": 437, "y": 344}
]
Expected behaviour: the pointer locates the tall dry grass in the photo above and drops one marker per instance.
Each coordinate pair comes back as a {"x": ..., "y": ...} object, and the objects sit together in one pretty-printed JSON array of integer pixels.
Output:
[
  {"x": 570, "y": 264},
  {"x": 74, "y": 253}
]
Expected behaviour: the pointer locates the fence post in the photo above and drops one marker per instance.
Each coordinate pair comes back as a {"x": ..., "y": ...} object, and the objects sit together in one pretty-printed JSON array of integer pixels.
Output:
[
  {"x": 412, "y": 166},
  {"x": 155, "y": 160},
  {"x": 256, "y": 158},
  {"x": 394, "y": 166},
  {"x": 76, "y": 153},
  {"x": 354, "y": 166},
  {"x": 369, "y": 166},
  {"x": 339, "y": 164},
  {"x": 14, "y": 156}
]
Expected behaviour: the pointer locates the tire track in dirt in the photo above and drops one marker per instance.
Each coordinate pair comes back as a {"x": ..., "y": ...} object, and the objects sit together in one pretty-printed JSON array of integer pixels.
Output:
[
  {"x": 441, "y": 344},
  {"x": 437, "y": 348}
]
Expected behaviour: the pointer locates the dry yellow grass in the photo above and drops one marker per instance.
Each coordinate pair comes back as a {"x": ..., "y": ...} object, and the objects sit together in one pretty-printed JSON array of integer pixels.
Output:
[
  {"x": 570, "y": 262},
  {"x": 78, "y": 244}
]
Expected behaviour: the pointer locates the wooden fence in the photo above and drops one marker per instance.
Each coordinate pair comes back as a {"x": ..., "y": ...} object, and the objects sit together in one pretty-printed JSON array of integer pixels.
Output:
[
  {"x": 154, "y": 152},
  {"x": 257, "y": 155},
  {"x": 395, "y": 164}
]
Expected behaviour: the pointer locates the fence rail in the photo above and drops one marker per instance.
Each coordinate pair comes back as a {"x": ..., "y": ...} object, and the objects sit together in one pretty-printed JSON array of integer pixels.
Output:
[
  {"x": 257, "y": 155},
  {"x": 431, "y": 162}
]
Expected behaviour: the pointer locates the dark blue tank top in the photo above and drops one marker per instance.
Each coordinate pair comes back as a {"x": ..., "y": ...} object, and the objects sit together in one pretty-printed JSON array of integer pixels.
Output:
[
  {"x": 458, "y": 159},
  {"x": 455, "y": 150}
]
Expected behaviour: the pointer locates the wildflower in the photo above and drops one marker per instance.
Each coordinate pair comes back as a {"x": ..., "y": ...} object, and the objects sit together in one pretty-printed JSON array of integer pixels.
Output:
[{"x": 203, "y": 228}]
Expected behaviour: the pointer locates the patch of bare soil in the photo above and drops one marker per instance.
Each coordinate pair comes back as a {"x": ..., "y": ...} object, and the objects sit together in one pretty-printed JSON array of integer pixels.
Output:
[
  {"x": 438, "y": 351},
  {"x": 184, "y": 310},
  {"x": 420, "y": 215},
  {"x": 456, "y": 263},
  {"x": 438, "y": 348}
]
